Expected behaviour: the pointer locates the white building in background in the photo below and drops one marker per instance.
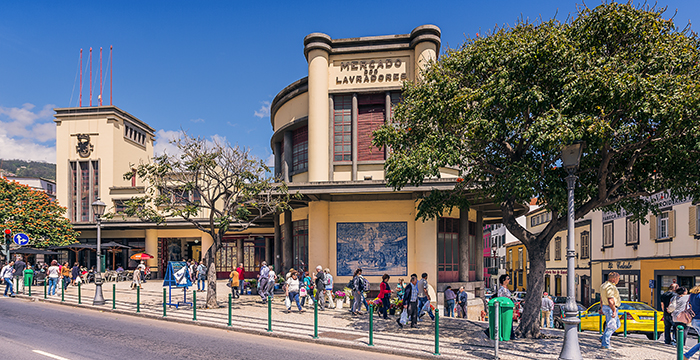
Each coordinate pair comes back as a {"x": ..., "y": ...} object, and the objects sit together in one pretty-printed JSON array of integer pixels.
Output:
[{"x": 39, "y": 184}]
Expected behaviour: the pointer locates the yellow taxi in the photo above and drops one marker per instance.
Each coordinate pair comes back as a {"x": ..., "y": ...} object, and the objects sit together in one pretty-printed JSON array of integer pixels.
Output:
[{"x": 640, "y": 318}]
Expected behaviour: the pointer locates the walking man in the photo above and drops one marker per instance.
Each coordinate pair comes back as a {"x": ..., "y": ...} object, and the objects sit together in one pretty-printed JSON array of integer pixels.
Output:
[
  {"x": 410, "y": 301},
  {"x": 6, "y": 274},
  {"x": 263, "y": 277},
  {"x": 669, "y": 331},
  {"x": 462, "y": 298},
  {"x": 201, "y": 276},
  {"x": 547, "y": 307},
  {"x": 320, "y": 285},
  {"x": 424, "y": 296},
  {"x": 19, "y": 273},
  {"x": 610, "y": 299},
  {"x": 241, "y": 278},
  {"x": 329, "y": 287}
]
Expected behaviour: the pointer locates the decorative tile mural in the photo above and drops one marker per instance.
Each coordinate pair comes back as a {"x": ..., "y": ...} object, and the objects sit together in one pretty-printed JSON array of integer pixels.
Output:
[{"x": 377, "y": 247}]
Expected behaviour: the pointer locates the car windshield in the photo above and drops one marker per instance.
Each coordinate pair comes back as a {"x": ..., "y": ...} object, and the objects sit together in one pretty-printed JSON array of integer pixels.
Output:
[
  {"x": 559, "y": 299},
  {"x": 635, "y": 306}
]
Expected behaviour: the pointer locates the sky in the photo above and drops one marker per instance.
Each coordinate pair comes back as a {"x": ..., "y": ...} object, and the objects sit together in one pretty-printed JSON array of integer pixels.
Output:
[{"x": 210, "y": 68}]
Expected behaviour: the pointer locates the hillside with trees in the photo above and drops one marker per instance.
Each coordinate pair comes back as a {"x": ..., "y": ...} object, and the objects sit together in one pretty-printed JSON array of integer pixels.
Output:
[{"x": 28, "y": 169}]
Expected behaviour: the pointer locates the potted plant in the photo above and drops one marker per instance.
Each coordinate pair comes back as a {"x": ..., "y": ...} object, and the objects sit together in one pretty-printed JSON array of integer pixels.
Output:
[
  {"x": 339, "y": 297},
  {"x": 396, "y": 304},
  {"x": 252, "y": 286},
  {"x": 348, "y": 295}
]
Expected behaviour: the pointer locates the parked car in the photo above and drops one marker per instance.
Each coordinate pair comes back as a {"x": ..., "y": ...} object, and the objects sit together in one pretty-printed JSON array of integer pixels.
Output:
[
  {"x": 640, "y": 318},
  {"x": 558, "y": 313}
]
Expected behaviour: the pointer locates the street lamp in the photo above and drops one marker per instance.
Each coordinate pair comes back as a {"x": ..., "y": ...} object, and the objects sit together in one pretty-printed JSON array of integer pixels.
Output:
[
  {"x": 98, "y": 208},
  {"x": 570, "y": 157}
]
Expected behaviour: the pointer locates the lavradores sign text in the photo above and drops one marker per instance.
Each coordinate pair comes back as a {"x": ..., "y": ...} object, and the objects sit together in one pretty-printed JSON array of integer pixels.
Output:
[{"x": 371, "y": 71}]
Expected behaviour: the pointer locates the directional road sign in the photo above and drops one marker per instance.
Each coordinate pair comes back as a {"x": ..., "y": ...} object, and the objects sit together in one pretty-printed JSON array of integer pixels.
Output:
[{"x": 21, "y": 239}]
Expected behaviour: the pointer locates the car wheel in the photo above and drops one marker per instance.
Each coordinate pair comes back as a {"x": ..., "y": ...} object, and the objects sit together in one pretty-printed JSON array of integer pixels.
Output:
[
  {"x": 650, "y": 336},
  {"x": 558, "y": 324}
]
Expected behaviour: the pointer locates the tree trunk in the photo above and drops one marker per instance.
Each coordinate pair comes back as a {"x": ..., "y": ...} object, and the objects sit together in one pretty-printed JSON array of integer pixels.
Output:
[
  {"x": 530, "y": 320},
  {"x": 209, "y": 259}
]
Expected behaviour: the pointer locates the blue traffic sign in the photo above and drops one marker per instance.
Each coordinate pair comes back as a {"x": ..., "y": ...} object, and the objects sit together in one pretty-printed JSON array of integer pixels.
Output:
[{"x": 21, "y": 239}]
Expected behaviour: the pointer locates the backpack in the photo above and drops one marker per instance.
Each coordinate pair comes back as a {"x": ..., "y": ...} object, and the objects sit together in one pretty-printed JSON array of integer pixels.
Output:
[{"x": 360, "y": 284}]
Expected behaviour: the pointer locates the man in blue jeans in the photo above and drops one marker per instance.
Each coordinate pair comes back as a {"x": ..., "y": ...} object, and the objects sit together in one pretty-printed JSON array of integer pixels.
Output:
[
  {"x": 424, "y": 297},
  {"x": 610, "y": 301},
  {"x": 7, "y": 273}
]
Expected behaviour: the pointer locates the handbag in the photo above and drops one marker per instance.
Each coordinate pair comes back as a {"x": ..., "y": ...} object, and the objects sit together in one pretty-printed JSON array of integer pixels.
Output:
[
  {"x": 287, "y": 302},
  {"x": 230, "y": 281},
  {"x": 686, "y": 316}
]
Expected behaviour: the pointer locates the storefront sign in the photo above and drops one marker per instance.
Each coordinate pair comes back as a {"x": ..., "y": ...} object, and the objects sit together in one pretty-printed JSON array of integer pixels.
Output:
[
  {"x": 370, "y": 71},
  {"x": 620, "y": 265},
  {"x": 555, "y": 272},
  {"x": 662, "y": 200}
]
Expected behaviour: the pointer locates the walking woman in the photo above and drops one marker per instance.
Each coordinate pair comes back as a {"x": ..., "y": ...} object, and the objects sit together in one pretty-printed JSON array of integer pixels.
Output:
[
  {"x": 358, "y": 286},
  {"x": 384, "y": 294},
  {"x": 694, "y": 301},
  {"x": 65, "y": 273},
  {"x": 53, "y": 273},
  {"x": 292, "y": 291},
  {"x": 680, "y": 301}
]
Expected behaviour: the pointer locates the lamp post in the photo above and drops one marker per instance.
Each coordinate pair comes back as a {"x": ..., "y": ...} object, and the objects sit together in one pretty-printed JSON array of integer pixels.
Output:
[
  {"x": 98, "y": 208},
  {"x": 570, "y": 157}
]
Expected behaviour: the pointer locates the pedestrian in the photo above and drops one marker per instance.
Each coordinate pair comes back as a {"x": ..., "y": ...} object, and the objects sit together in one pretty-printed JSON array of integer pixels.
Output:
[
  {"x": 546, "y": 310},
  {"x": 450, "y": 297},
  {"x": 610, "y": 300},
  {"x": 28, "y": 275},
  {"x": 54, "y": 272},
  {"x": 665, "y": 298},
  {"x": 136, "y": 280},
  {"x": 365, "y": 292},
  {"x": 75, "y": 273},
  {"x": 262, "y": 280},
  {"x": 6, "y": 274},
  {"x": 19, "y": 273},
  {"x": 462, "y": 299},
  {"x": 410, "y": 301},
  {"x": 235, "y": 282},
  {"x": 400, "y": 288},
  {"x": 306, "y": 288},
  {"x": 329, "y": 287},
  {"x": 320, "y": 285},
  {"x": 241, "y": 278},
  {"x": 292, "y": 290},
  {"x": 358, "y": 286},
  {"x": 201, "y": 276},
  {"x": 385, "y": 295},
  {"x": 694, "y": 302},
  {"x": 65, "y": 274},
  {"x": 271, "y": 280},
  {"x": 680, "y": 303},
  {"x": 424, "y": 297},
  {"x": 503, "y": 291}
]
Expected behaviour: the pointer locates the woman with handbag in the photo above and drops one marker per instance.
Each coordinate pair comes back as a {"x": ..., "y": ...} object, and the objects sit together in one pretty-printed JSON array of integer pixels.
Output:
[
  {"x": 680, "y": 314},
  {"x": 694, "y": 301}
]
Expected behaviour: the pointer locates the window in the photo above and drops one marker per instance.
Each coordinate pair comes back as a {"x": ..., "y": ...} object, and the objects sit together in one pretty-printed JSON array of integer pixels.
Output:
[
  {"x": 520, "y": 278},
  {"x": 520, "y": 259},
  {"x": 694, "y": 223},
  {"x": 585, "y": 245},
  {"x": 300, "y": 243},
  {"x": 300, "y": 149},
  {"x": 119, "y": 206},
  {"x": 342, "y": 128},
  {"x": 557, "y": 248},
  {"x": 663, "y": 227},
  {"x": 134, "y": 134},
  {"x": 370, "y": 116},
  {"x": 608, "y": 235},
  {"x": 632, "y": 237},
  {"x": 448, "y": 249},
  {"x": 509, "y": 263},
  {"x": 84, "y": 189},
  {"x": 540, "y": 219}
]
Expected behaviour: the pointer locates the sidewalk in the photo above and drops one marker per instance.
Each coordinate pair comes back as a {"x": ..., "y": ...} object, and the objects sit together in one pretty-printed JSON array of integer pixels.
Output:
[{"x": 459, "y": 338}]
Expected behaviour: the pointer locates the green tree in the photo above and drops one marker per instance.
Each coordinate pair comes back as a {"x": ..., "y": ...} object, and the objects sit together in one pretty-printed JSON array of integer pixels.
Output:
[
  {"x": 216, "y": 187},
  {"x": 624, "y": 79},
  {"x": 32, "y": 212}
]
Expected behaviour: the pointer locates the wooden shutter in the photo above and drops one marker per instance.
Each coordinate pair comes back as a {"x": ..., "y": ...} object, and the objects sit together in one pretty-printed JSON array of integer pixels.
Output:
[
  {"x": 653, "y": 235},
  {"x": 369, "y": 119},
  {"x": 672, "y": 224},
  {"x": 692, "y": 220}
]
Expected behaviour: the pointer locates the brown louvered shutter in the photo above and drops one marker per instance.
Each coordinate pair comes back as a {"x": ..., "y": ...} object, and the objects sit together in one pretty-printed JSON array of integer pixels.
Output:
[
  {"x": 369, "y": 119},
  {"x": 692, "y": 220},
  {"x": 653, "y": 235}
]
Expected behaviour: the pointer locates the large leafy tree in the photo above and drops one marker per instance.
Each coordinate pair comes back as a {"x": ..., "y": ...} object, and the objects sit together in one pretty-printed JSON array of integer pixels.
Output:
[
  {"x": 33, "y": 213},
  {"x": 216, "y": 187},
  {"x": 623, "y": 79}
]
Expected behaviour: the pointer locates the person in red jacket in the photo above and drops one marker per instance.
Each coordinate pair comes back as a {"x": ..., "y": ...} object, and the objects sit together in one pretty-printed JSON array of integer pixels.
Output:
[
  {"x": 384, "y": 294},
  {"x": 241, "y": 277}
]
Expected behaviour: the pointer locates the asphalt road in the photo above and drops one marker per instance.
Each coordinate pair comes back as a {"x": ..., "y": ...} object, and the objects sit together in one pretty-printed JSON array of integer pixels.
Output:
[{"x": 44, "y": 331}]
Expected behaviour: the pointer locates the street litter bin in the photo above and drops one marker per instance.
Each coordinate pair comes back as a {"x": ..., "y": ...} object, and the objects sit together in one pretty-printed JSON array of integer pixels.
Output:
[{"x": 505, "y": 317}]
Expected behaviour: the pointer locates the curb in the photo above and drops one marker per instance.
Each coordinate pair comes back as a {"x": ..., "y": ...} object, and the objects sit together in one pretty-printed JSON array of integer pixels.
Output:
[{"x": 382, "y": 349}]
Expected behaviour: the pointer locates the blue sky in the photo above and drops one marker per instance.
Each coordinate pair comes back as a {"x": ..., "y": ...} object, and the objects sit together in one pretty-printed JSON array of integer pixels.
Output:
[{"x": 209, "y": 67}]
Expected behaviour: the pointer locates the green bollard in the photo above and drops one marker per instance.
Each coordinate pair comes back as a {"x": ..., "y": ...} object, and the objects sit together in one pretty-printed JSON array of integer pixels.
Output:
[
  {"x": 114, "y": 296},
  {"x": 30, "y": 287},
  {"x": 437, "y": 332},
  {"x": 194, "y": 305},
  {"x": 138, "y": 299},
  {"x": 656, "y": 326},
  {"x": 80, "y": 295},
  {"x": 371, "y": 325},
  {"x": 164, "y": 302},
  {"x": 45, "y": 280},
  {"x": 62, "y": 294},
  {"x": 624, "y": 314},
  {"x": 600, "y": 323},
  {"x": 269, "y": 314},
  {"x": 679, "y": 342},
  {"x": 579, "y": 321},
  {"x": 316, "y": 321},
  {"x": 229, "y": 309}
]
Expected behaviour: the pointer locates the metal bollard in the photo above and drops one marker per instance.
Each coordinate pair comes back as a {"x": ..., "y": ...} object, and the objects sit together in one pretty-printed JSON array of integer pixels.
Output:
[
  {"x": 679, "y": 342},
  {"x": 579, "y": 321},
  {"x": 229, "y": 309},
  {"x": 624, "y": 314},
  {"x": 80, "y": 295},
  {"x": 437, "y": 332},
  {"x": 30, "y": 287},
  {"x": 62, "y": 294},
  {"x": 316, "y": 320},
  {"x": 114, "y": 296},
  {"x": 45, "y": 280},
  {"x": 600, "y": 323},
  {"x": 496, "y": 330},
  {"x": 371, "y": 325},
  {"x": 138, "y": 299},
  {"x": 656, "y": 326},
  {"x": 164, "y": 302},
  {"x": 194, "y": 305},
  {"x": 269, "y": 314}
]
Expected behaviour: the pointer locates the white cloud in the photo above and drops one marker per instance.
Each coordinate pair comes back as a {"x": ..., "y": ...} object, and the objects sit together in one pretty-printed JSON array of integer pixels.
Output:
[
  {"x": 198, "y": 120},
  {"x": 163, "y": 145},
  {"x": 264, "y": 110},
  {"x": 22, "y": 130},
  {"x": 270, "y": 161},
  {"x": 25, "y": 149}
]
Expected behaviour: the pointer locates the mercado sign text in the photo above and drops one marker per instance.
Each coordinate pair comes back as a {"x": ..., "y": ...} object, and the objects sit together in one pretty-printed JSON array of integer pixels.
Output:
[{"x": 371, "y": 71}]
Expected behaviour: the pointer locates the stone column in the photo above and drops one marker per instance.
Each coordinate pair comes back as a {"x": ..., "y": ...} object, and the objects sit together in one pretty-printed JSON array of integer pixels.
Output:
[
  {"x": 287, "y": 161},
  {"x": 353, "y": 140},
  {"x": 268, "y": 250},
  {"x": 278, "y": 159},
  {"x": 316, "y": 48},
  {"x": 464, "y": 245},
  {"x": 425, "y": 41},
  {"x": 287, "y": 250},
  {"x": 152, "y": 248},
  {"x": 278, "y": 244},
  {"x": 319, "y": 236},
  {"x": 239, "y": 250},
  {"x": 479, "y": 249}
]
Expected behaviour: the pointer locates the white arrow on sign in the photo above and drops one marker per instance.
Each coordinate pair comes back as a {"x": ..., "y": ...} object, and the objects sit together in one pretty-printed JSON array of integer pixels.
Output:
[{"x": 21, "y": 239}]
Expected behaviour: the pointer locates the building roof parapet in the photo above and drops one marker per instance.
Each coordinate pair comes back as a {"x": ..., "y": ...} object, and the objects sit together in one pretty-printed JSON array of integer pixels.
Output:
[
  {"x": 291, "y": 91},
  {"x": 63, "y": 114}
]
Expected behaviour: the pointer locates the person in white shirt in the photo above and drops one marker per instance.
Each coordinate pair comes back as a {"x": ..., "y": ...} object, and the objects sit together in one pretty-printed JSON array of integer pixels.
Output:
[
  {"x": 547, "y": 307},
  {"x": 292, "y": 291},
  {"x": 54, "y": 273},
  {"x": 7, "y": 274}
]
